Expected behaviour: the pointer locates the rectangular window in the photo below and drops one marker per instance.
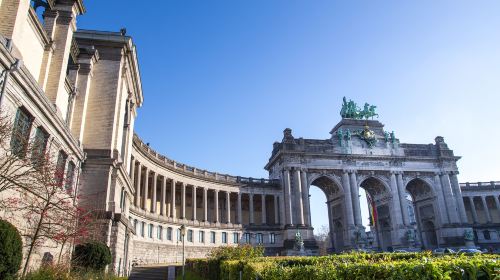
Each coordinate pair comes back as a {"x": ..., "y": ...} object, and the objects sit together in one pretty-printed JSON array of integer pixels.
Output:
[
  {"x": 224, "y": 237},
  {"x": 212, "y": 237},
  {"x": 159, "y": 233},
  {"x": 236, "y": 237},
  {"x": 179, "y": 237},
  {"x": 39, "y": 147},
  {"x": 135, "y": 227},
  {"x": 190, "y": 235},
  {"x": 201, "y": 237},
  {"x": 69, "y": 177},
  {"x": 247, "y": 238},
  {"x": 21, "y": 132},
  {"x": 260, "y": 239},
  {"x": 272, "y": 238},
  {"x": 150, "y": 231},
  {"x": 143, "y": 225},
  {"x": 169, "y": 234},
  {"x": 60, "y": 166}
]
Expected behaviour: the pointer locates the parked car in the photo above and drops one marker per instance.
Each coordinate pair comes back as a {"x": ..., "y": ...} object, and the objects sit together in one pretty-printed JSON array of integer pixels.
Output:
[
  {"x": 400, "y": 251},
  {"x": 468, "y": 251},
  {"x": 442, "y": 251}
]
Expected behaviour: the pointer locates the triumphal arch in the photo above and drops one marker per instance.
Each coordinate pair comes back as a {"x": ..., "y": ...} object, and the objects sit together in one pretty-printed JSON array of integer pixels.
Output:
[{"x": 412, "y": 190}]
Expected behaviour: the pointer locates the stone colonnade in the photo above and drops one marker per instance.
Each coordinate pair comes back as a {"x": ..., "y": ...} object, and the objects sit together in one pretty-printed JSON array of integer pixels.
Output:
[{"x": 143, "y": 178}]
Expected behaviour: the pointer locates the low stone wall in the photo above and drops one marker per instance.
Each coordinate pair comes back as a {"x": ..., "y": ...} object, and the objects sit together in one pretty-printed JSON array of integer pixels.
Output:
[{"x": 152, "y": 253}]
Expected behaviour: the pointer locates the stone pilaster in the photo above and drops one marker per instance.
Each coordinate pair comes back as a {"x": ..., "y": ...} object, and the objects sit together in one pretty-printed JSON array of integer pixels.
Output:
[
  {"x": 183, "y": 200},
  {"x": 276, "y": 211},
  {"x": 346, "y": 185},
  {"x": 300, "y": 205},
  {"x": 216, "y": 205},
  {"x": 205, "y": 204},
  {"x": 174, "y": 214},
  {"x": 250, "y": 199},
  {"x": 305, "y": 198},
  {"x": 288, "y": 197},
  {"x": 228, "y": 207},
  {"x": 402, "y": 199},
  {"x": 137, "y": 197},
  {"x": 163, "y": 208},
  {"x": 458, "y": 196},
  {"x": 193, "y": 197},
  {"x": 443, "y": 213},
  {"x": 238, "y": 206},
  {"x": 449, "y": 199},
  {"x": 264, "y": 210},
  {"x": 355, "y": 199},
  {"x": 486, "y": 210}
]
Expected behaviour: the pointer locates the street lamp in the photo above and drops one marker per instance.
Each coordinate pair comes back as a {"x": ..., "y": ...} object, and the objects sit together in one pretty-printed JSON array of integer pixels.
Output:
[
  {"x": 183, "y": 234},
  {"x": 5, "y": 75}
]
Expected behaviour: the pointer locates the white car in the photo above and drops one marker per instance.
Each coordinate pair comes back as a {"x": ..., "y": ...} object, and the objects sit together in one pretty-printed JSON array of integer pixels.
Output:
[{"x": 442, "y": 251}]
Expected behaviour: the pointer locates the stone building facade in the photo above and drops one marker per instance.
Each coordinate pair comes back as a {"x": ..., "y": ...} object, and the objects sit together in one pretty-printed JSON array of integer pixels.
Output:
[{"x": 83, "y": 88}]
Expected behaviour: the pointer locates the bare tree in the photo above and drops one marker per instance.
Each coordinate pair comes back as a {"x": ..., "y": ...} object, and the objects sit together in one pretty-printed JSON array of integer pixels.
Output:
[{"x": 322, "y": 237}]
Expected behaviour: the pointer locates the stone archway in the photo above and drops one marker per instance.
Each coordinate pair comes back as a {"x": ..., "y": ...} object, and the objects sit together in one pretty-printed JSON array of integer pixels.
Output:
[
  {"x": 334, "y": 200},
  {"x": 423, "y": 199},
  {"x": 379, "y": 203}
]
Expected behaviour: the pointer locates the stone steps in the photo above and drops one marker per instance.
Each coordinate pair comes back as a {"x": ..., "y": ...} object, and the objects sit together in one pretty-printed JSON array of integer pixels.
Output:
[{"x": 152, "y": 273}]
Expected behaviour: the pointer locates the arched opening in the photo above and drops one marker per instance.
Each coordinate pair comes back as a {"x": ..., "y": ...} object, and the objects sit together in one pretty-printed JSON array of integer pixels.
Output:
[
  {"x": 422, "y": 213},
  {"x": 326, "y": 196},
  {"x": 377, "y": 215}
]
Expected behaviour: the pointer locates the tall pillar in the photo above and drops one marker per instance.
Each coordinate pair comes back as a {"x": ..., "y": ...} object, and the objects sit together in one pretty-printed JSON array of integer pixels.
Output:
[
  {"x": 183, "y": 200},
  {"x": 174, "y": 214},
  {"x": 443, "y": 211},
  {"x": 486, "y": 210},
  {"x": 146, "y": 190},
  {"x": 264, "y": 211},
  {"x": 216, "y": 205},
  {"x": 137, "y": 198},
  {"x": 402, "y": 199},
  {"x": 473, "y": 210},
  {"x": 355, "y": 199},
  {"x": 276, "y": 220},
  {"x": 250, "y": 199},
  {"x": 288, "y": 197},
  {"x": 132, "y": 170},
  {"x": 305, "y": 198},
  {"x": 347, "y": 199},
  {"x": 282, "y": 209},
  {"x": 396, "y": 213},
  {"x": 497, "y": 202},
  {"x": 205, "y": 204},
  {"x": 194, "y": 203},
  {"x": 163, "y": 208},
  {"x": 228, "y": 206},
  {"x": 458, "y": 196},
  {"x": 153, "y": 200},
  {"x": 450, "y": 201},
  {"x": 298, "y": 186},
  {"x": 238, "y": 207}
]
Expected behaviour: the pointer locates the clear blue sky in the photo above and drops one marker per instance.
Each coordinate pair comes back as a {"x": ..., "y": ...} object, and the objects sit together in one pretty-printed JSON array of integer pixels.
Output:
[{"x": 222, "y": 79}]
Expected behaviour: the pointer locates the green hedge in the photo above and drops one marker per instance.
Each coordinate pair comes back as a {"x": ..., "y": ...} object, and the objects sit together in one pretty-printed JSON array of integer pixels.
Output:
[
  {"x": 11, "y": 250},
  {"x": 358, "y": 266},
  {"x": 93, "y": 255}
]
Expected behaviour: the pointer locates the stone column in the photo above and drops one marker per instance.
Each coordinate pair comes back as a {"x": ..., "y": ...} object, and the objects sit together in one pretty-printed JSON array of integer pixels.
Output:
[
  {"x": 288, "y": 197},
  {"x": 205, "y": 204},
  {"x": 443, "y": 211},
  {"x": 276, "y": 220},
  {"x": 238, "y": 206},
  {"x": 174, "y": 214},
  {"x": 458, "y": 196},
  {"x": 250, "y": 199},
  {"x": 153, "y": 200},
  {"x": 300, "y": 203},
  {"x": 402, "y": 199},
  {"x": 497, "y": 202},
  {"x": 146, "y": 190},
  {"x": 451, "y": 204},
  {"x": 281, "y": 199},
  {"x": 137, "y": 200},
  {"x": 355, "y": 199},
  {"x": 194, "y": 203},
  {"x": 228, "y": 206},
  {"x": 132, "y": 170},
  {"x": 347, "y": 199},
  {"x": 396, "y": 213},
  {"x": 473, "y": 210},
  {"x": 183, "y": 200},
  {"x": 216, "y": 205},
  {"x": 305, "y": 198},
  {"x": 486, "y": 210},
  {"x": 163, "y": 208},
  {"x": 264, "y": 211}
]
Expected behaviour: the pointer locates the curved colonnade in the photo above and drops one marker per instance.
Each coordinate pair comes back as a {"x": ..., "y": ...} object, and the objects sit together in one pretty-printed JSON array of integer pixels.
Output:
[{"x": 216, "y": 209}]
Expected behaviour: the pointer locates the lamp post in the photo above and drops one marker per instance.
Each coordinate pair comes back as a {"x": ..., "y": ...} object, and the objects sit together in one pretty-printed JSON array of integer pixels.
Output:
[
  {"x": 183, "y": 233},
  {"x": 5, "y": 75}
]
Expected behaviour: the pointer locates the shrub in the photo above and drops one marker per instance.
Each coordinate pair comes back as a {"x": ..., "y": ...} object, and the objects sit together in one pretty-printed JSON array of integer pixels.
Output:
[
  {"x": 211, "y": 268},
  {"x": 11, "y": 250},
  {"x": 92, "y": 255}
]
